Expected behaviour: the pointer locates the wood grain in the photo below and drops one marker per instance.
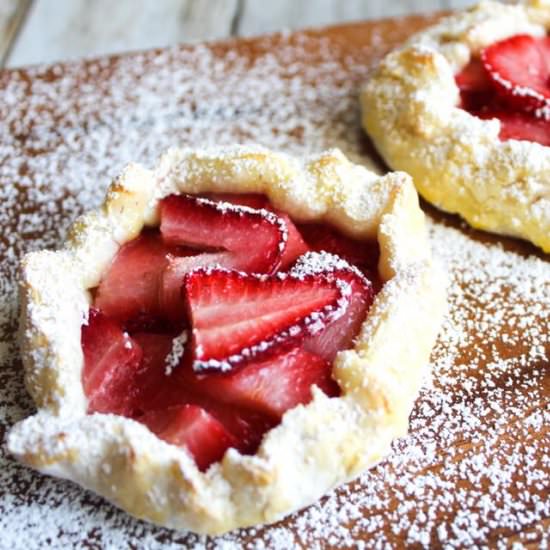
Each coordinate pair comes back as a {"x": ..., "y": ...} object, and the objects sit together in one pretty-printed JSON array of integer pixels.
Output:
[
  {"x": 68, "y": 29},
  {"x": 58, "y": 30},
  {"x": 289, "y": 14},
  {"x": 12, "y": 15}
]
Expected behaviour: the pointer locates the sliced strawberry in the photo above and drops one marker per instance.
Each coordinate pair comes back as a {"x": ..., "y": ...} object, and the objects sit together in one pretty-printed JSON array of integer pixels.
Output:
[
  {"x": 159, "y": 385},
  {"x": 473, "y": 77},
  {"x": 338, "y": 334},
  {"x": 111, "y": 360},
  {"x": 209, "y": 225},
  {"x": 154, "y": 386},
  {"x": 270, "y": 386},
  {"x": 295, "y": 245},
  {"x": 519, "y": 68},
  {"x": 521, "y": 126},
  {"x": 252, "y": 200},
  {"x": 191, "y": 427},
  {"x": 248, "y": 426},
  {"x": 323, "y": 238},
  {"x": 130, "y": 287},
  {"x": 236, "y": 316},
  {"x": 476, "y": 88},
  {"x": 480, "y": 98},
  {"x": 171, "y": 298}
]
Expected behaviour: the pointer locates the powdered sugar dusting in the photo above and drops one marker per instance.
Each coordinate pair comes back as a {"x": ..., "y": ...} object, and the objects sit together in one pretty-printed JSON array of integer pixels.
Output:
[
  {"x": 313, "y": 263},
  {"x": 176, "y": 353},
  {"x": 474, "y": 469}
]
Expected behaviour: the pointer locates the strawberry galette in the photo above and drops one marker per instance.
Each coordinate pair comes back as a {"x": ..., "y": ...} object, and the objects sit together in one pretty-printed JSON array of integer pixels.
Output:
[
  {"x": 229, "y": 336},
  {"x": 464, "y": 107}
]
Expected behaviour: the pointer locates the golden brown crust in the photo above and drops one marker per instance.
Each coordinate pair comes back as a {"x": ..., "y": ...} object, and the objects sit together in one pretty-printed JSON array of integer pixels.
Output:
[
  {"x": 316, "y": 446},
  {"x": 410, "y": 110}
]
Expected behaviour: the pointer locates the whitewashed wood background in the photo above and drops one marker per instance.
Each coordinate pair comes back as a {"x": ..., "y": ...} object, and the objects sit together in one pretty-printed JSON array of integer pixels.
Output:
[{"x": 36, "y": 31}]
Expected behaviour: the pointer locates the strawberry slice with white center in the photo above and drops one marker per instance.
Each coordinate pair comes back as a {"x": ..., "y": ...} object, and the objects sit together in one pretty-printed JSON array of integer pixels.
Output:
[
  {"x": 295, "y": 246},
  {"x": 111, "y": 360},
  {"x": 270, "y": 386},
  {"x": 519, "y": 68},
  {"x": 130, "y": 288},
  {"x": 194, "y": 428},
  {"x": 254, "y": 239},
  {"x": 237, "y": 317},
  {"x": 339, "y": 334}
]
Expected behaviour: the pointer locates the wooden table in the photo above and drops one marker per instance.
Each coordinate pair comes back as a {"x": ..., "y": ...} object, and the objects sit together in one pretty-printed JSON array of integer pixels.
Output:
[
  {"x": 37, "y": 31},
  {"x": 473, "y": 472}
]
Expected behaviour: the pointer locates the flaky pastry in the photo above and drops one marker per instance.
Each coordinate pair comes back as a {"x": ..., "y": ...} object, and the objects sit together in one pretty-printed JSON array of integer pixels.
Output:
[
  {"x": 317, "y": 446},
  {"x": 410, "y": 108}
]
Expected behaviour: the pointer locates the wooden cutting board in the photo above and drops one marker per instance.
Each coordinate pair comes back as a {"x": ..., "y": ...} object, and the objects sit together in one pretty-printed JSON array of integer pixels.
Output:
[{"x": 474, "y": 469}]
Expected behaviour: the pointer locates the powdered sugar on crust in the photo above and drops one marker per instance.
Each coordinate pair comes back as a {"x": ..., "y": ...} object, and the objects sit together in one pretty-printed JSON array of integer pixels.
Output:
[
  {"x": 410, "y": 109},
  {"x": 314, "y": 263}
]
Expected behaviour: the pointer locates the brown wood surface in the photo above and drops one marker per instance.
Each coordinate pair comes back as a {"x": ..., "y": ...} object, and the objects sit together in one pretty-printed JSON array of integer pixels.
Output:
[{"x": 347, "y": 52}]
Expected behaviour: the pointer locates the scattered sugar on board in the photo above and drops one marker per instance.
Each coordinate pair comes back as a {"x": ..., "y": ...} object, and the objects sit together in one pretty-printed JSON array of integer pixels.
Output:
[{"x": 474, "y": 469}]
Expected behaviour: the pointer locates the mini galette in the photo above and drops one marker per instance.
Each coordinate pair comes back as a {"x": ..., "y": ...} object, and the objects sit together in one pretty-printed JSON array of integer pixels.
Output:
[
  {"x": 229, "y": 336},
  {"x": 464, "y": 107}
]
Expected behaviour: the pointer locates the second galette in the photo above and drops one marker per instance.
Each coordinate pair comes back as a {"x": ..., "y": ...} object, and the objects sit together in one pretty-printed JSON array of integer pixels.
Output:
[{"x": 464, "y": 107}]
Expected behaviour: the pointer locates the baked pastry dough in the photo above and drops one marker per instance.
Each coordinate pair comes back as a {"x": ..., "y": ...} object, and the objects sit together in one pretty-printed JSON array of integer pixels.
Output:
[
  {"x": 317, "y": 446},
  {"x": 410, "y": 110}
]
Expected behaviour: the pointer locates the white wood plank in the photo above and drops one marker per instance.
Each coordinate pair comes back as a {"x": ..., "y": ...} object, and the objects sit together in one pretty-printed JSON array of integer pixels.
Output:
[
  {"x": 257, "y": 18},
  {"x": 458, "y": 4},
  {"x": 12, "y": 14},
  {"x": 66, "y": 29}
]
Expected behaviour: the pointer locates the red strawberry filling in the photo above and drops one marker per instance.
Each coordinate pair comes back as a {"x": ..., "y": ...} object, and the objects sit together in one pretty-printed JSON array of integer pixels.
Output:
[
  {"x": 510, "y": 81},
  {"x": 270, "y": 386},
  {"x": 129, "y": 291},
  {"x": 359, "y": 290},
  {"x": 237, "y": 317},
  {"x": 206, "y": 224},
  {"x": 191, "y": 426},
  {"x": 111, "y": 361},
  {"x": 209, "y": 329}
]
